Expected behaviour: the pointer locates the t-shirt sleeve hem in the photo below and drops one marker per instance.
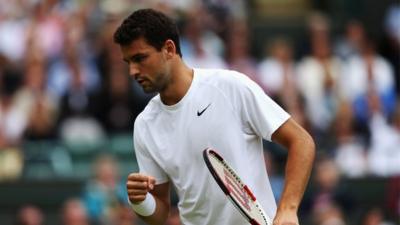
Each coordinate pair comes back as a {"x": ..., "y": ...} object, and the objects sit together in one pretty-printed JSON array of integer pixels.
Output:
[
  {"x": 276, "y": 126},
  {"x": 161, "y": 180}
]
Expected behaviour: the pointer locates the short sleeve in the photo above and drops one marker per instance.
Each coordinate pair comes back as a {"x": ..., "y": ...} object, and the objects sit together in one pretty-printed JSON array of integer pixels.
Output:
[
  {"x": 257, "y": 110},
  {"x": 147, "y": 164}
]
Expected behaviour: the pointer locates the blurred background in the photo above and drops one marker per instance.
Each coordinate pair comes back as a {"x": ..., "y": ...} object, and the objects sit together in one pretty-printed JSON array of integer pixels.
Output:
[{"x": 67, "y": 104}]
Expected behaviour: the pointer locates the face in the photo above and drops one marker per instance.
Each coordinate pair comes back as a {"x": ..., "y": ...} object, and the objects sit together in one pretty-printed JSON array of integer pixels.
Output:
[{"x": 148, "y": 66}]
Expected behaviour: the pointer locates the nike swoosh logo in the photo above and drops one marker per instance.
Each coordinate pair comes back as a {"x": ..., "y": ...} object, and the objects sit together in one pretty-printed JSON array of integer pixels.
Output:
[{"x": 202, "y": 111}]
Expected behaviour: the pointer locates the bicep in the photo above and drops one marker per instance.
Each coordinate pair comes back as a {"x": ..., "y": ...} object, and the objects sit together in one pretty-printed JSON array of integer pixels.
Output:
[{"x": 289, "y": 133}]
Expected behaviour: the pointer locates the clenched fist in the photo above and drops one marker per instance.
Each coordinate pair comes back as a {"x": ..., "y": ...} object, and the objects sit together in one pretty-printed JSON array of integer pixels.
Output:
[{"x": 138, "y": 185}]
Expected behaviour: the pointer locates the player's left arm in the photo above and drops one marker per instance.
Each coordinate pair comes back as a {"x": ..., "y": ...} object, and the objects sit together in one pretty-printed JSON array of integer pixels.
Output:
[{"x": 301, "y": 153}]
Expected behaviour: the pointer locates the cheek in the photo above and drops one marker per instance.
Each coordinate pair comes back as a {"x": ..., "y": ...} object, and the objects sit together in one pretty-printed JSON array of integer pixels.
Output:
[
  {"x": 160, "y": 69},
  {"x": 153, "y": 66}
]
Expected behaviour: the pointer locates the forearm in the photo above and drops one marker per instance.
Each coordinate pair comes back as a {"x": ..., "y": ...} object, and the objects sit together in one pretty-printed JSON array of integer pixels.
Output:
[
  {"x": 297, "y": 173},
  {"x": 160, "y": 215}
]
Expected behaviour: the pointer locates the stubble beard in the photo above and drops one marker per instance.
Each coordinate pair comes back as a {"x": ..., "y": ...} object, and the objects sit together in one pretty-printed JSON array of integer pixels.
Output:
[{"x": 158, "y": 85}]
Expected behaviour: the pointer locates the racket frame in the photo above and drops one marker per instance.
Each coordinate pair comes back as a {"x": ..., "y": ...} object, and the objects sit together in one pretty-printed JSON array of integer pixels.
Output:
[{"x": 221, "y": 184}]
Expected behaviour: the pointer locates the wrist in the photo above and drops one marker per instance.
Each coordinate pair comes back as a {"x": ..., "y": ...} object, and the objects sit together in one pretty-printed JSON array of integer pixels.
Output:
[
  {"x": 145, "y": 208},
  {"x": 288, "y": 207}
]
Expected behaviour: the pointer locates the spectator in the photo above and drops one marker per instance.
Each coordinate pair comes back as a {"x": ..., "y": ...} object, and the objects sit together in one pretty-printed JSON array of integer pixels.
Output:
[
  {"x": 374, "y": 216},
  {"x": 29, "y": 215},
  {"x": 350, "y": 150},
  {"x": 351, "y": 44},
  {"x": 13, "y": 31},
  {"x": 330, "y": 215},
  {"x": 119, "y": 100},
  {"x": 74, "y": 213},
  {"x": 117, "y": 104},
  {"x": 392, "y": 19},
  {"x": 11, "y": 163},
  {"x": 238, "y": 50},
  {"x": 105, "y": 193},
  {"x": 201, "y": 47},
  {"x": 278, "y": 78},
  {"x": 37, "y": 101},
  {"x": 390, "y": 45},
  {"x": 78, "y": 81},
  {"x": 328, "y": 191},
  {"x": 45, "y": 28},
  {"x": 125, "y": 216},
  {"x": 13, "y": 118},
  {"x": 74, "y": 71},
  {"x": 369, "y": 74},
  {"x": 384, "y": 154},
  {"x": 318, "y": 76}
]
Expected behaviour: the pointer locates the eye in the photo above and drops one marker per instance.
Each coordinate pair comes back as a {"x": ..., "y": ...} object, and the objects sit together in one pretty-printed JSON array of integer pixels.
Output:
[{"x": 139, "y": 58}]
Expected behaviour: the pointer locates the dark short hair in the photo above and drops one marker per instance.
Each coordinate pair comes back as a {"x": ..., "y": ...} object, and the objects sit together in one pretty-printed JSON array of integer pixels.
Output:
[{"x": 154, "y": 26}]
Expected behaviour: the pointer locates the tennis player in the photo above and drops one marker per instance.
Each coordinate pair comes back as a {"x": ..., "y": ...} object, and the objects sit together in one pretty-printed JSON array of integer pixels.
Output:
[{"x": 195, "y": 109}]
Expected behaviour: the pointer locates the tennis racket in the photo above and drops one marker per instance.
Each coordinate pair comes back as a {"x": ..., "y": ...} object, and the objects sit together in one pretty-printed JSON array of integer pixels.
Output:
[{"x": 236, "y": 191}]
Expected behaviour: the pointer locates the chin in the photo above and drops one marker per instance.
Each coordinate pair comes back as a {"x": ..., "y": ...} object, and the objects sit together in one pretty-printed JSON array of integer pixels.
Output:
[{"x": 149, "y": 90}]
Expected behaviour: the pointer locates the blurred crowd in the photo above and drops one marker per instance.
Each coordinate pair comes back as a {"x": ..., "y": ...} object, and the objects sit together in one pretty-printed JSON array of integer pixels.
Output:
[{"x": 62, "y": 78}]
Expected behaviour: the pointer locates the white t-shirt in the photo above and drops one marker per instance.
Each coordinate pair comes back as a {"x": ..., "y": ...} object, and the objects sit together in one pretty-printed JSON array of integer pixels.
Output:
[{"x": 223, "y": 110}]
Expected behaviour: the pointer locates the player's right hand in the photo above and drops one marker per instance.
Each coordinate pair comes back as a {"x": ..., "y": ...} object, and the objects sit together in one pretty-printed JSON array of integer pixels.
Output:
[{"x": 138, "y": 185}]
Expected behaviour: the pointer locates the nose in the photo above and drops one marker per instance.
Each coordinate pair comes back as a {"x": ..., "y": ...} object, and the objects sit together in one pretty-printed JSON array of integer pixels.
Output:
[{"x": 134, "y": 70}]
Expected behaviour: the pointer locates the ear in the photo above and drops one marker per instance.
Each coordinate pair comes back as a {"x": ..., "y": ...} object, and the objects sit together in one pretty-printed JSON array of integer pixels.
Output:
[{"x": 169, "y": 48}]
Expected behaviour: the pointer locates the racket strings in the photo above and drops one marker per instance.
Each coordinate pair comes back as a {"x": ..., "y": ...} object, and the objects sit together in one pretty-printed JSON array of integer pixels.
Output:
[
  {"x": 235, "y": 189},
  {"x": 244, "y": 191}
]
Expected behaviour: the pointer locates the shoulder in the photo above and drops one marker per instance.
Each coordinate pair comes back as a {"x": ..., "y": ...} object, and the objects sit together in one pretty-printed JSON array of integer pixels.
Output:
[
  {"x": 151, "y": 110},
  {"x": 222, "y": 79},
  {"x": 231, "y": 85}
]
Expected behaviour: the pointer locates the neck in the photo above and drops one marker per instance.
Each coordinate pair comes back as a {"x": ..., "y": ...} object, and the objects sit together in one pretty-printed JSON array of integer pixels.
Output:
[{"x": 181, "y": 79}]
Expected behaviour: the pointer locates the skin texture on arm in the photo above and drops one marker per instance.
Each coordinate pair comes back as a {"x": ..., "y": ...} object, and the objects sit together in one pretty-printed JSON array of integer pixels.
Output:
[
  {"x": 301, "y": 149},
  {"x": 139, "y": 185}
]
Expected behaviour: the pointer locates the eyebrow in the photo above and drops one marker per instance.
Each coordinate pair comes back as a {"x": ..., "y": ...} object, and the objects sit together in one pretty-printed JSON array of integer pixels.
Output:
[{"x": 135, "y": 57}]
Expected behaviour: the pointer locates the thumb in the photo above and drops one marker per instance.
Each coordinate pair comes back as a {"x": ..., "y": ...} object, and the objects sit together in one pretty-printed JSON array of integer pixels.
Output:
[{"x": 151, "y": 182}]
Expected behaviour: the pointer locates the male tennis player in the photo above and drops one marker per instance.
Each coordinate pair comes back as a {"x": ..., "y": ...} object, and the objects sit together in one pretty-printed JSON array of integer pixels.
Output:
[{"x": 196, "y": 109}]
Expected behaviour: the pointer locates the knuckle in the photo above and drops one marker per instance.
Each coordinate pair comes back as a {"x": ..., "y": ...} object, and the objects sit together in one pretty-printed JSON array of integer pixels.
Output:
[
  {"x": 133, "y": 176},
  {"x": 137, "y": 177}
]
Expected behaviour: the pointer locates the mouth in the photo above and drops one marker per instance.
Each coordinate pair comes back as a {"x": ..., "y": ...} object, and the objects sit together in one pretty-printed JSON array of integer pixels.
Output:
[{"x": 140, "y": 81}]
